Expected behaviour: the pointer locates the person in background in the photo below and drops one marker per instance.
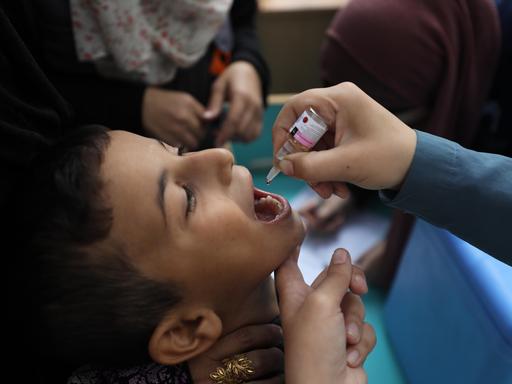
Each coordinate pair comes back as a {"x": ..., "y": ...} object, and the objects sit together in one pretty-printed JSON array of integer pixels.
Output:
[
  {"x": 433, "y": 68},
  {"x": 152, "y": 68}
]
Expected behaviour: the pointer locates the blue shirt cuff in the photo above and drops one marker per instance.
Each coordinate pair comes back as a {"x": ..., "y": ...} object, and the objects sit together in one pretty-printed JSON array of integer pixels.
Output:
[{"x": 431, "y": 175}]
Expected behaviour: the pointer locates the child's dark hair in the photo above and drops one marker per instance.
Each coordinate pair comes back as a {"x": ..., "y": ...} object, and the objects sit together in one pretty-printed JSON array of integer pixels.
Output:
[{"x": 94, "y": 305}]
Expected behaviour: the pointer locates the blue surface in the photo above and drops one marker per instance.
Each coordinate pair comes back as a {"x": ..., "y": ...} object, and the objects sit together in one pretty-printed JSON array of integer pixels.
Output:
[
  {"x": 490, "y": 282},
  {"x": 449, "y": 312},
  {"x": 381, "y": 366}
]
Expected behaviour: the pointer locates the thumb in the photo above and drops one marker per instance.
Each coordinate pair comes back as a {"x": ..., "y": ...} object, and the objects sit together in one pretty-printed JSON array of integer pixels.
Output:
[
  {"x": 316, "y": 166},
  {"x": 216, "y": 99}
]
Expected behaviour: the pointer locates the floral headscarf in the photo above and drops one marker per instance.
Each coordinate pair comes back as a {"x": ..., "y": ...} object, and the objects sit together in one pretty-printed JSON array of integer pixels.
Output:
[{"x": 145, "y": 39}]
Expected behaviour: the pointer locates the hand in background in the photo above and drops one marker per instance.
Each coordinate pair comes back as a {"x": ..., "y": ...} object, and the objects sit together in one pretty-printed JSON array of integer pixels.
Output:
[
  {"x": 365, "y": 145},
  {"x": 326, "y": 216},
  {"x": 260, "y": 343},
  {"x": 316, "y": 320},
  {"x": 174, "y": 117},
  {"x": 240, "y": 85}
]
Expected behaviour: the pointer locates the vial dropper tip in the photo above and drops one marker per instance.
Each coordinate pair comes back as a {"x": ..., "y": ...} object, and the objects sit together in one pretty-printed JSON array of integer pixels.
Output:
[{"x": 271, "y": 175}]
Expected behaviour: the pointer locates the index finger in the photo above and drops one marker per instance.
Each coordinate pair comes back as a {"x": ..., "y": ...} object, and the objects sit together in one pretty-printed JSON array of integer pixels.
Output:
[{"x": 291, "y": 288}]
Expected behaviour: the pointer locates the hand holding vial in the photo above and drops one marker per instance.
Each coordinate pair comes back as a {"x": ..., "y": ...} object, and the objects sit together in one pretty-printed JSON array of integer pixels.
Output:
[{"x": 365, "y": 144}]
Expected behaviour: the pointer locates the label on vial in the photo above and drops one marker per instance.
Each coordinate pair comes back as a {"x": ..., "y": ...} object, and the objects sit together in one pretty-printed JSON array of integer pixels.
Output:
[{"x": 307, "y": 131}]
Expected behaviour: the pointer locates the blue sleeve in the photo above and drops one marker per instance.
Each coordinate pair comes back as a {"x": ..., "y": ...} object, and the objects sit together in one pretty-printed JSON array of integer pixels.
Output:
[{"x": 467, "y": 192}]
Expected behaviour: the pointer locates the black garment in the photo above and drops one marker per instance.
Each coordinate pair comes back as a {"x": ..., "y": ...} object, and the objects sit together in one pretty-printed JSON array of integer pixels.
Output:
[
  {"x": 151, "y": 373},
  {"x": 116, "y": 103},
  {"x": 32, "y": 114},
  {"x": 495, "y": 134}
]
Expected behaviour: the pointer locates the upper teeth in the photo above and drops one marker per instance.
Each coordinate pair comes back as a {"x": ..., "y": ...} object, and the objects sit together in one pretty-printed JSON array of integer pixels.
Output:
[{"x": 270, "y": 199}]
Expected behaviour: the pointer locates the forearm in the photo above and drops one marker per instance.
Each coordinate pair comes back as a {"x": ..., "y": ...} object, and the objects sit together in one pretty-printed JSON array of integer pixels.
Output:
[{"x": 466, "y": 192}]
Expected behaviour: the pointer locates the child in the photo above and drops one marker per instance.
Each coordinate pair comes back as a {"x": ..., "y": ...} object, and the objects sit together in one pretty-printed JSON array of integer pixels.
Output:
[{"x": 147, "y": 253}]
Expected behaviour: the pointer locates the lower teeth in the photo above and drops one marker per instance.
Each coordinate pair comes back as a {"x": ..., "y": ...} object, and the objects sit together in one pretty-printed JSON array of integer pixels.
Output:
[{"x": 273, "y": 206}]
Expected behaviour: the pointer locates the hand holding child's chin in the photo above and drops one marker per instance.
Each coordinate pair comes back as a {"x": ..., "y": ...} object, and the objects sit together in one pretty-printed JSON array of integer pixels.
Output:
[
  {"x": 261, "y": 344},
  {"x": 326, "y": 338}
]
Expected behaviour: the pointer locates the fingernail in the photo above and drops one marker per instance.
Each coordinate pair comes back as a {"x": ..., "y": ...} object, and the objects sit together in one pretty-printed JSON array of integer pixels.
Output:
[
  {"x": 353, "y": 357},
  {"x": 353, "y": 330},
  {"x": 286, "y": 167},
  {"x": 339, "y": 257}
]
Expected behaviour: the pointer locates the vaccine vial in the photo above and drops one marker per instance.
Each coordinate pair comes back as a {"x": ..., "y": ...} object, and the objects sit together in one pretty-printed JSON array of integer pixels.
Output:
[{"x": 303, "y": 135}]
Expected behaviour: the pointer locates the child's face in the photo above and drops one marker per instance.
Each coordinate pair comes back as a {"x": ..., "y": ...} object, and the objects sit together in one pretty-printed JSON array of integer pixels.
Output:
[{"x": 191, "y": 219}]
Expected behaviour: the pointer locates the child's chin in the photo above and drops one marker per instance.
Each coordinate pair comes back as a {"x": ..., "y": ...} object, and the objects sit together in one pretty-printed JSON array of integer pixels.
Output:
[{"x": 300, "y": 224}]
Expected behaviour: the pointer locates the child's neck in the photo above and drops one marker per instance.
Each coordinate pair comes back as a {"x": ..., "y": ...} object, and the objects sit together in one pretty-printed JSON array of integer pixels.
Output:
[{"x": 260, "y": 307}]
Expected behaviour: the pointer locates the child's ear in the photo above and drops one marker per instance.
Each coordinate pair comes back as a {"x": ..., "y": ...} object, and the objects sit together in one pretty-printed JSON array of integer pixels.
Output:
[{"x": 183, "y": 334}]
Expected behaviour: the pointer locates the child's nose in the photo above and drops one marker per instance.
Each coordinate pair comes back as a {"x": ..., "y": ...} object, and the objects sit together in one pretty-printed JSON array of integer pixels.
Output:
[{"x": 218, "y": 163}]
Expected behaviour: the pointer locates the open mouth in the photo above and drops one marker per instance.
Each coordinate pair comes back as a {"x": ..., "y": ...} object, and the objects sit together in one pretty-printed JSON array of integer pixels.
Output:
[{"x": 270, "y": 208}]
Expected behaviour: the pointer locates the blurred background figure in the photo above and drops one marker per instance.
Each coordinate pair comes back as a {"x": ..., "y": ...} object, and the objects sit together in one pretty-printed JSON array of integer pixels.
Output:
[
  {"x": 432, "y": 63},
  {"x": 156, "y": 68}
]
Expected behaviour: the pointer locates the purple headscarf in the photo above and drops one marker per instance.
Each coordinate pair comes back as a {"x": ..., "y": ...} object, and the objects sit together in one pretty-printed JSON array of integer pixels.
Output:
[{"x": 439, "y": 54}]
